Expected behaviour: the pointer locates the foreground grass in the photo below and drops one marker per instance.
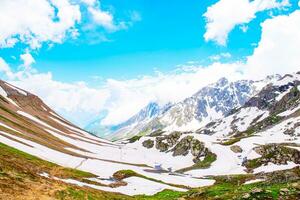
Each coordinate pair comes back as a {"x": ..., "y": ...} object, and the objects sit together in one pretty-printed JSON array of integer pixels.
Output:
[
  {"x": 122, "y": 174},
  {"x": 20, "y": 179},
  {"x": 12, "y": 158}
]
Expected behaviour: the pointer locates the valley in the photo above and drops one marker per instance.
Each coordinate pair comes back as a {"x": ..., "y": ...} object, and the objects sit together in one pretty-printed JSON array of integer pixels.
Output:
[{"x": 251, "y": 142}]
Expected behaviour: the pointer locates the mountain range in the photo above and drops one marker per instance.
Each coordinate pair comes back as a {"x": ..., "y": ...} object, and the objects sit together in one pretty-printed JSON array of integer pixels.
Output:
[{"x": 209, "y": 103}]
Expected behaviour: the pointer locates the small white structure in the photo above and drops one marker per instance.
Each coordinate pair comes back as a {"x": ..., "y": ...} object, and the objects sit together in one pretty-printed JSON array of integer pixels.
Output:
[{"x": 158, "y": 166}]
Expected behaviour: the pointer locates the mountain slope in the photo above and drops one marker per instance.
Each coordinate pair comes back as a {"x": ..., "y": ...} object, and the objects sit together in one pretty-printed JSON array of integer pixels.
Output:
[
  {"x": 27, "y": 124},
  {"x": 262, "y": 135}
]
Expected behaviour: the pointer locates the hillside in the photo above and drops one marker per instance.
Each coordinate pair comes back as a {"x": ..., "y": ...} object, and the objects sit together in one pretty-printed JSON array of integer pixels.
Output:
[{"x": 22, "y": 176}]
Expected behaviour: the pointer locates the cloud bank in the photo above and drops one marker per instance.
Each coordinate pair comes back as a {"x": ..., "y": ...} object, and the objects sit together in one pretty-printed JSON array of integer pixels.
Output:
[{"x": 223, "y": 16}]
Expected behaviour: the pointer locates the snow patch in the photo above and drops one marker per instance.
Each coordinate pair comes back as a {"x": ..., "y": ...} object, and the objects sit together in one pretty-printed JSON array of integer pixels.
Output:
[{"x": 4, "y": 94}]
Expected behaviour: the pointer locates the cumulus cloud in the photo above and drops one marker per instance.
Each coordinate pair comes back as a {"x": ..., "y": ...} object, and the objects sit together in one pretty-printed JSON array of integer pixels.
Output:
[
  {"x": 27, "y": 59},
  {"x": 103, "y": 18},
  {"x": 225, "y": 15},
  {"x": 77, "y": 101},
  {"x": 278, "y": 50},
  {"x": 38, "y": 22},
  {"x": 49, "y": 21},
  {"x": 106, "y": 19}
]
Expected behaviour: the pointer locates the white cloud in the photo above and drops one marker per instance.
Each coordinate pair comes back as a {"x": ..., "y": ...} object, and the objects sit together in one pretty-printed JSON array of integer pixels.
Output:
[
  {"x": 103, "y": 18},
  {"x": 36, "y": 22},
  {"x": 50, "y": 21},
  {"x": 279, "y": 48},
  {"x": 4, "y": 67},
  {"x": 89, "y": 2},
  {"x": 224, "y": 15},
  {"x": 220, "y": 56},
  {"x": 76, "y": 101},
  {"x": 27, "y": 59},
  {"x": 106, "y": 19}
]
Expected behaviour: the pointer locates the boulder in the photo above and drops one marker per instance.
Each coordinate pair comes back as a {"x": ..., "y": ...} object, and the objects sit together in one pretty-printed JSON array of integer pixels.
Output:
[
  {"x": 148, "y": 144},
  {"x": 236, "y": 149}
]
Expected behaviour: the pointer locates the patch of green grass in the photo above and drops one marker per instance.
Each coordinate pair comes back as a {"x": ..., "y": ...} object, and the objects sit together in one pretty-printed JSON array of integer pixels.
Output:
[
  {"x": 10, "y": 154},
  {"x": 204, "y": 164},
  {"x": 134, "y": 138},
  {"x": 156, "y": 133},
  {"x": 122, "y": 174},
  {"x": 252, "y": 164},
  {"x": 163, "y": 195},
  {"x": 88, "y": 194},
  {"x": 232, "y": 141},
  {"x": 232, "y": 190}
]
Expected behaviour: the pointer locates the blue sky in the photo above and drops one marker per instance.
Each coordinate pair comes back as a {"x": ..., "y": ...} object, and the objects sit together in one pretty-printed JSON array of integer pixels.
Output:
[
  {"x": 116, "y": 51},
  {"x": 166, "y": 35}
]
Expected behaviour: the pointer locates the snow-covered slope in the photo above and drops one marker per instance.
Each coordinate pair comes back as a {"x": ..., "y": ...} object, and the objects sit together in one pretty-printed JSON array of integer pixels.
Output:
[{"x": 26, "y": 123}]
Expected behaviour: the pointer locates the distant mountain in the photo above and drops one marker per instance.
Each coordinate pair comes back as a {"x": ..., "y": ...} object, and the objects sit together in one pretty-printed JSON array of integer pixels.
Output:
[
  {"x": 131, "y": 126},
  {"x": 209, "y": 103}
]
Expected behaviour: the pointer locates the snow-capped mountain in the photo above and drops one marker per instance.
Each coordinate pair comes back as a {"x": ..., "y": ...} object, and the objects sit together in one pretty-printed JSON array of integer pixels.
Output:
[
  {"x": 263, "y": 135},
  {"x": 131, "y": 126},
  {"x": 209, "y": 103}
]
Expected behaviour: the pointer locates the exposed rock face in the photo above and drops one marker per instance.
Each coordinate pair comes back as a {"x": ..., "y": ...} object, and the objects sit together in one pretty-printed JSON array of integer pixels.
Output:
[
  {"x": 213, "y": 101},
  {"x": 164, "y": 143},
  {"x": 179, "y": 147},
  {"x": 292, "y": 131},
  {"x": 183, "y": 147},
  {"x": 236, "y": 149},
  {"x": 148, "y": 144},
  {"x": 156, "y": 133},
  {"x": 266, "y": 98},
  {"x": 274, "y": 153},
  {"x": 190, "y": 144}
]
